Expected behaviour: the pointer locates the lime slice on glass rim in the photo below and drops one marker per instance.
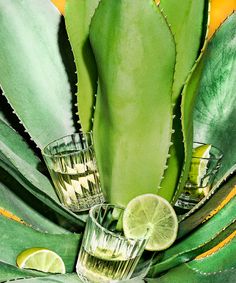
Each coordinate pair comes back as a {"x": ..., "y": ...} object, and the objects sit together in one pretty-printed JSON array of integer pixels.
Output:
[
  {"x": 41, "y": 259},
  {"x": 200, "y": 158},
  {"x": 154, "y": 215}
]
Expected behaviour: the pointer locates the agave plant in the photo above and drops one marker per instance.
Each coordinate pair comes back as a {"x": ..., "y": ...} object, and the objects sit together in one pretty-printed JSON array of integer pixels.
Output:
[{"x": 147, "y": 89}]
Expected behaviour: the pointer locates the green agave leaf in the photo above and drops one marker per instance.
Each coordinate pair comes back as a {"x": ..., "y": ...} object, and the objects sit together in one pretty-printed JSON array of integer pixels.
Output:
[
  {"x": 204, "y": 238},
  {"x": 33, "y": 75},
  {"x": 133, "y": 115},
  {"x": 20, "y": 162},
  {"x": 188, "y": 223},
  {"x": 187, "y": 22},
  {"x": 185, "y": 18},
  {"x": 11, "y": 272},
  {"x": 15, "y": 199},
  {"x": 16, "y": 143},
  {"x": 38, "y": 192},
  {"x": 187, "y": 106},
  {"x": 59, "y": 278},
  {"x": 78, "y": 14},
  {"x": 218, "y": 267},
  {"x": 66, "y": 245},
  {"x": 215, "y": 112}
]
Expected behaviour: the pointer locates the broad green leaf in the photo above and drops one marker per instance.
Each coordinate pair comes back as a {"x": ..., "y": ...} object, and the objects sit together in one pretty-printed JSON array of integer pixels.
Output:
[
  {"x": 18, "y": 201},
  {"x": 218, "y": 267},
  {"x": 57, "y": 278},
  {"x": 193, "y": 219},
  {"x": 187, "y": 106},
  {"x": 78, "y": 14},
  {"x": 188, "y": 21},
  {"x": 18, "y": 237},
  {"x": 204, "y": 238},
  {"x": 20, "y": 162},
  {"x": 33, "y": 75},
  {"x": 11, "y": 272},
  {"x": 16, "y": 143},
  {"x": 36, "y": 186},
  {"x": 215, "y": 110},
  {"x": 133, "y": 115}
]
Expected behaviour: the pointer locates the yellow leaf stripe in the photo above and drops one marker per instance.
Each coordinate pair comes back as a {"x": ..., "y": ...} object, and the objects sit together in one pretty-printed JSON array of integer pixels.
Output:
[
  {"x": 12, "y": 216},
  {"x": 217, "y": 247},
  {"x": 222, "y": 204}
]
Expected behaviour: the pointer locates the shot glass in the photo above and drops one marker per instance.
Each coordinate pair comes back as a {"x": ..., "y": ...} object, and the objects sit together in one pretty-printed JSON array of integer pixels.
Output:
[
  {"x": 72, "y": 165},
  {"x": 106, "y": 255},
  {"x": 194, "y": 192}
]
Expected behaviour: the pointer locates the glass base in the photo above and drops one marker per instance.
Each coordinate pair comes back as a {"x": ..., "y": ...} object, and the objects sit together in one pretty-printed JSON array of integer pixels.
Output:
[
  {"x": 86, "y": 203},
  {"x": 186, "y": 202}
]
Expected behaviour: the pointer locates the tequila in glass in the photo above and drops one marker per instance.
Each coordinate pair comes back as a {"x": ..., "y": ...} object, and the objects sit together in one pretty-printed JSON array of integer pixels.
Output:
[
  {"x": 72, "y": 166},
  {"x": 105, "y": 254},
  {"x": 194, "y": 192}
]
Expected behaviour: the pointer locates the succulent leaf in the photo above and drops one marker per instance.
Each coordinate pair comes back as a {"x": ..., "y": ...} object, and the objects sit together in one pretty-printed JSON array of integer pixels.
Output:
[
  {"x": 78, "y": 14},
  {"x": 185, "y": 18},
  {"x": 133, "y": 116},
  {"x": 221, "y": 197},
  {"x": 36, "y": 186},
  {"x": 58, "y": 278},
  {"x": 16, "y": 143},
  {"x": 214, "y": 113},
  {"x": 204, "y": 238},
  {"x": 11, "y": 272},
  {"x": 27, "y": 208},
  {"x": 217, "y": 268},
  {"x": 63, "y": 244},
  {"x": 33, "y": 75}
]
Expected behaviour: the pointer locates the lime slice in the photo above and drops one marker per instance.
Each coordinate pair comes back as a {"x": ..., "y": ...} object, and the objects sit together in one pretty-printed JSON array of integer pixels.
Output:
[
  {"x": 154, "y": 214},
  {"x": 41, "y": 259},
  {"x": 199, "y": 164}
]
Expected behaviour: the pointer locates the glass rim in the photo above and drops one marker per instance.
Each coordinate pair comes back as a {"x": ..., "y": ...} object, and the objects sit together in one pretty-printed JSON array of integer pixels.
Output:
[
  {"x": 70, "y": 153},
  {"x": 215, "y": 157},
  {"x": 123, "y": 238}
]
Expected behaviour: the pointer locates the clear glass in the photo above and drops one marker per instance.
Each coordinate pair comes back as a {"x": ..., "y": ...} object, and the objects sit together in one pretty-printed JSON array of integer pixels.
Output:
[
  {"x": 193, "y": 193},
  {"x": 105, "y": 254},
  {"x": 72, "y": 165}
]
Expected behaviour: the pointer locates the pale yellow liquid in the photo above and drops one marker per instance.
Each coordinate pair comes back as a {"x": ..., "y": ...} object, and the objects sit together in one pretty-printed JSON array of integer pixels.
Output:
[
  {"x": 77, "y": 191},
  {"x": 102, "y": 267}
]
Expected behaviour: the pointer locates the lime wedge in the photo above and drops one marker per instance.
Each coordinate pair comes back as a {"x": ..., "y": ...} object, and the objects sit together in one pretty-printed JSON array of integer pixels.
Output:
[
  {"x": 41, "y": 259},
  {"x": 199, "y": 164},
  {"x": 154, "y": 214}
]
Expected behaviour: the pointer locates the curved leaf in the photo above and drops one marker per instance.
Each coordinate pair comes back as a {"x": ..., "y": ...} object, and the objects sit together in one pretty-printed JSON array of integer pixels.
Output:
[
  {"x": 133, "y": 115},
  {"x": 205, "y": 237},
  {"x": 186, "y": 17},
  {"x": 215, "y": 110},
  {"x": 78, "y": 14},
  {"x": 16, "y": 143},
  {"x": 193, "y": 219},
  {"x": 33, "y": 76},
  {"x": 57, "y": 278},
  {"x": 33, "y": 188},
  {"x": 66, "y": 245},
  {"x": 11, "y": 272},
  {"x": 219, "y": 267},
  {"x": 15, "y": 199}
]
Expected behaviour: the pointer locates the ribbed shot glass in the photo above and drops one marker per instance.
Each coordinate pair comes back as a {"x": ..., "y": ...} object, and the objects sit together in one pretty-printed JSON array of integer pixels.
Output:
[
  {"x": 106, "y": 255},
  {"x": 195, "y": 192},
  {"x": 72, "y": 165}
]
